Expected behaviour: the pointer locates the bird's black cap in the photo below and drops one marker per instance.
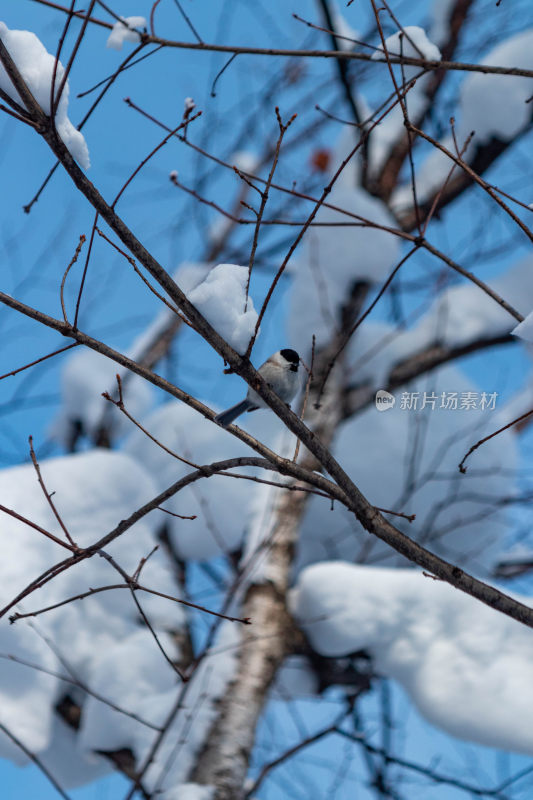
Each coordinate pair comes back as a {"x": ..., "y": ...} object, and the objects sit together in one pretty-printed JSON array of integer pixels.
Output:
[{"x": 290, "y": 355}]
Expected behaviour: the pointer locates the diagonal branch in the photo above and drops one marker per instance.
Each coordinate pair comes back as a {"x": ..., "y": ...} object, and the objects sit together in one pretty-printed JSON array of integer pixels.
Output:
[{"x": 366, "y": 513}]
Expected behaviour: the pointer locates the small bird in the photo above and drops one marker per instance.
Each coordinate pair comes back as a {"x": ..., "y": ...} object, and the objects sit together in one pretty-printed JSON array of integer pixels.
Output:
[{"x": 280, "y": 371}]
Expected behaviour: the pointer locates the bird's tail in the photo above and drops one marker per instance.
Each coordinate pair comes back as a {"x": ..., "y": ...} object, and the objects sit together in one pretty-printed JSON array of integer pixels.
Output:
[{"x": 226, "y": 417}]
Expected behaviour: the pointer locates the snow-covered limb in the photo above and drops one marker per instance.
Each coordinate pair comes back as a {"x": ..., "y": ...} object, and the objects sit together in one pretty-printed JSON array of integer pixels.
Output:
[
  {"x": 92, "y": 491},
  {"x": 221, "y": 298},
  {"x": 123, "y": 31},
  {"x": 447, "y": 652},
  {"x": 412, "y": 41},
  {"x": 36, "y": 66}
]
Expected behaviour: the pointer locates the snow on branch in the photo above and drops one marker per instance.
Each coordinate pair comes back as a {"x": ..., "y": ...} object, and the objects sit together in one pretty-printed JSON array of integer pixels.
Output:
[
  {"x": 449, "y": 653},
  {"x": 123, "y": 31},
  {"x": 36, "y": 65},
  {"x": 92, "y": 491},
  {"x": 411, "y": 42},
  {"x": 221, "y": 299}
]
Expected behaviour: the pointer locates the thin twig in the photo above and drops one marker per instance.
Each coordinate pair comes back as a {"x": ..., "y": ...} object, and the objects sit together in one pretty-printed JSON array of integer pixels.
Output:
[
  {"x": 291, "y": 751},
  {"x": 74, "y": 681},
  {"x": 85, "y": 268},
  {"x": 183, "y": 124},
  {"x": 36, "y": 527},
  {"x": 19, "y": 117},
  {"x": 132, "y": 585},
  {"x": 152, "y": 16},
  {"x": 188, "y": 21},
  {"x": 179, "y": 516},
  {"x": 474, "y": 447},
  {"x": 120, "y": 405},
  {"x": 144, "y": 279},
  {"x": 475, "y": 177},
  {"x": 439, "y": 194},
  {"x": 49, "y": 496},
  {"x": 36, "y": 760},
  {"x": 39, "y": 360},
  {"x": 54, "y": 107},
  {"x": 408, "y": 517},
  {"x": 359, "y": 322},
  {"x": 72, "y": 262},
  {"x": 111, "y": 587},
  {"x": 283, "y": 128},
  {"x": 57, "y": 57}
]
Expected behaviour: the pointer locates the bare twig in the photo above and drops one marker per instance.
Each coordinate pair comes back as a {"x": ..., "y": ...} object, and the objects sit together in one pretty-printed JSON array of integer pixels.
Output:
[
  {"x": 72, "y": 262},
  {"x": 474, "y": 447},
  {"x": 48, "y": 496},
  {"x": 283, "y": 128},
  {"x": 146, "y": 282},
  {"x": 457, "y": 159},
  {"x": 64, "y": 79},
  {"x": 127, "y": 585},
  {"x": 36, "y": 527},
  {"x": 35, "y": 759},
  {"x": 38, "y": 360}
]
